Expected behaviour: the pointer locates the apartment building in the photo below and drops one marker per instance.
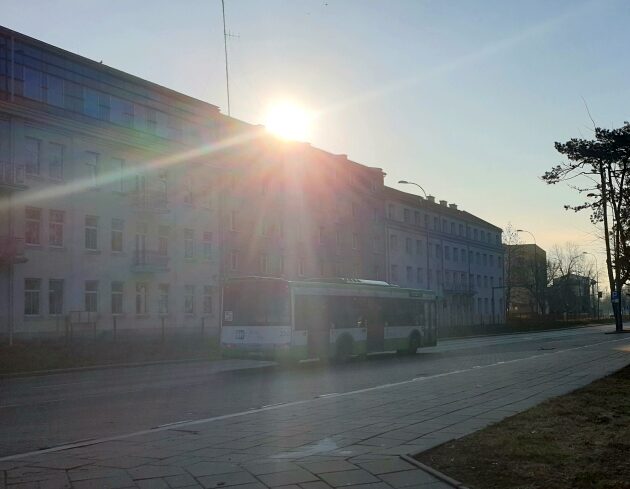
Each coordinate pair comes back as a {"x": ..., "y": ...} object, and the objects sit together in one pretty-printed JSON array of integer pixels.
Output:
[
  {"x": 127, "y": 203},
  {"x": 440, "y": 247},
  {"x": 291, "y": 210},
  {"x": 106, "y": 195}
]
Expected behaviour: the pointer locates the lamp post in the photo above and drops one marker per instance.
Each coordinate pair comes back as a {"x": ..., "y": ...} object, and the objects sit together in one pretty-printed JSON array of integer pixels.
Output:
[
  {"x": 405, "y": 182},
  {"x": 596, "y": 278},
  {"x": 536, "y": 278}
]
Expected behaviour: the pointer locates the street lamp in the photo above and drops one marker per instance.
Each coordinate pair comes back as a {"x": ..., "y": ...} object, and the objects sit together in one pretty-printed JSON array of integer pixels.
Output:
[
  {"x": 405, "y": 182},
  {"x": 535, "y": 267},
  {"x": 596, "y": 278}
]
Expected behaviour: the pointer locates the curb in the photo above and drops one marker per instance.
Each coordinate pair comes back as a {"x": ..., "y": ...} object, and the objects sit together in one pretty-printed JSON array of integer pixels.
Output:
[
  {"x": 34, "y": 373},
  {"x": 435, "y": 473},
  {"x": 591, "y": 325}
]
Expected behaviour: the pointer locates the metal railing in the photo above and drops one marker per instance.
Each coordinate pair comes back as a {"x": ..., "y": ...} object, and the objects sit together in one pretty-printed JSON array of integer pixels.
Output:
[
  {"x": 149, "y": 261},
  {"x": 153, "y": 201}
]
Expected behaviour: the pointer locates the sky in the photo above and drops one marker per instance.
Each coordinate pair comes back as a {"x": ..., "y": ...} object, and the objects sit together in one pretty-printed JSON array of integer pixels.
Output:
[{"x": 465, "y": 98}]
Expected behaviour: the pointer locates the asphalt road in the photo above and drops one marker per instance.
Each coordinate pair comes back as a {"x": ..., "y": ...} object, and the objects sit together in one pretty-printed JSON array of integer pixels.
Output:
[{"x": 50, "y": 410}]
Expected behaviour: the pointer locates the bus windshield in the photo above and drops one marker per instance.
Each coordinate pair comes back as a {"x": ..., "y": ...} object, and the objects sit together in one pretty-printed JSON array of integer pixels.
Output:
[{"x": 260, "y": 303}]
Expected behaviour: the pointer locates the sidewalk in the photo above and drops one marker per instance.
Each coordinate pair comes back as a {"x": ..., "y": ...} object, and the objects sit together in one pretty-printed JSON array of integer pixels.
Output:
[{"x": 352, "y": 440}]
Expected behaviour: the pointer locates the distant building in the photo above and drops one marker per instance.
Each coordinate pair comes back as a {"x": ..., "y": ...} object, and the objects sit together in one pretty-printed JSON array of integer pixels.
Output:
[
  {"x": 526, "y": 279},
  {"x": 439, "y": 247},
  {"x": 572, "y": 294}
]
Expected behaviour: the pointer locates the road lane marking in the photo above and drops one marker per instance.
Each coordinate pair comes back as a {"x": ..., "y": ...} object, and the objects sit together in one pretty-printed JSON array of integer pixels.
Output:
[{"x": 97, "y": 441}]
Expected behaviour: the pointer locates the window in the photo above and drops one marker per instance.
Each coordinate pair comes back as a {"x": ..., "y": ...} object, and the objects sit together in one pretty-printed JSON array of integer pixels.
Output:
[
  {"x": 54, "y": 90},
  {"x": 461, "y": 229},
  {"x": 121, "y": 112},
  {"x": 478, "y": 257},
  {"x": 91, "y": 232},
  {"x": 438, "y": 251},
  {"x": 416, "y": 218},
  {"x": 141, "y": 298},
  {"x": 452, "y": 228},
  {"x": 478, "y": 280},
  {"x": 234, "y": 260},
  {"x": 264, "y": 263},
  {"x": 447, "y": 252},
  {"x": 485, "y": 281},
  {"x": 188, "y": 193},
  {"x": 409, "y": 272},
  {"x": 418, "y": 247},
  {"x": 485, "y": 260},
  {"x": 72, "y": 97},
  {"x": 233, "y": 216},
  {"x": 91, "y": 163},
  {"x": 408, "y": 245},
  {"x": 189, "y": 299},
  {"x": 455, "y": 254},
  {"x": 375, "y": 214},
  {"x": 393, "y": 242},
  {"x": 419, "y": 275},
  {"x": 406, "y": 215},
  {"x": 476, "y": 234},
  {"x": 91, "y": 296},
  {"x": 189, "y": 236},
  {"x": 301, "y": 267},
  {"x": 32, "y": 291},
  {"x": 55, "y": 297},
  {"x": 444, "y": 226},
  {"x": 33, "y": 226},
  {"x": 355, "y": 241},
  {"x": 391, "y": 211},
  {"x": 55, "y": 160},
  {"x": 394, "y": 273},
  {"x": 33, "y": 84},
  {"x": 207, "y": 245},
  {"x": 55, "y": 228},
  {"x": 32, "y": 156},
  {"x": 207, "y": 299},
  {"x": 491, "y": 258},
  {"x": 151, "y": 120},
  {"x": 117, "y": 297},
  {"x": 117, "y": 235},
  {"x": 463, "y": 253},
  {"x": 163, "y": 232},
  {"x": 163, "y": 290},
  {"x": 118, "y": 170},
  {"x": 436, "y": 224}
]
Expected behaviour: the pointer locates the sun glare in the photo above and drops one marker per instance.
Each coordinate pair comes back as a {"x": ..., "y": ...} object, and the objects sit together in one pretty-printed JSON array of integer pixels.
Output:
[{"x": 288, "y": 121}]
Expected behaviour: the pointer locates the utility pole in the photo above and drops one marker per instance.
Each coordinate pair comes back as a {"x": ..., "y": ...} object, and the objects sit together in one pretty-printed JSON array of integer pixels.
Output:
[{"x": 227, "y": 74}]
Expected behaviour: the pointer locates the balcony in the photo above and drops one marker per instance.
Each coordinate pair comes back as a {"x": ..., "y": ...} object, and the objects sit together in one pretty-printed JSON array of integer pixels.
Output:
[
  {"x": 145, "y": 261},
  {"x": 150, "y": 201},
  {"x": 11, "y": 176},
  {"x": 11, "y": 250},
  {"x": 459, "y": 289}
]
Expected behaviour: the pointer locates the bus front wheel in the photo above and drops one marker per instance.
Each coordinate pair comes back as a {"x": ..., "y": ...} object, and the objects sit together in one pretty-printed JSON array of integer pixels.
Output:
[{"x": 343, "y": 349}]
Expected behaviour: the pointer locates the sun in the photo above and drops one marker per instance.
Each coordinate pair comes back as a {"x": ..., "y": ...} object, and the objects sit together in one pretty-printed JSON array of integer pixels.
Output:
[{"x": 288, "y": 120}]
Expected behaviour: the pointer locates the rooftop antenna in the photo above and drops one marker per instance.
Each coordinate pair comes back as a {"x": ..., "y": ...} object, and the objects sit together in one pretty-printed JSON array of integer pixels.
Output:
[{"x": 227, "y": 74}]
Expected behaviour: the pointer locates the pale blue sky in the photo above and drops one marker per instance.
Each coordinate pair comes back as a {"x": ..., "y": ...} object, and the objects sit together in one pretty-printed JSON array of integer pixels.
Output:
[{"x": 465, "y": 98}]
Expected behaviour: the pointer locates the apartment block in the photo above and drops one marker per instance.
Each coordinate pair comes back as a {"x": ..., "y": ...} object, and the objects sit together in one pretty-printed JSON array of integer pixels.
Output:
[
  {"x": 437, "y": 246},
  {"x": 107, "y": 202}
]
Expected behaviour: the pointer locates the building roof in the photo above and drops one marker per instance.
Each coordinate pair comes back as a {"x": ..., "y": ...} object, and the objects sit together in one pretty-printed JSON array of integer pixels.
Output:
[{"x": 417, "y": 201}]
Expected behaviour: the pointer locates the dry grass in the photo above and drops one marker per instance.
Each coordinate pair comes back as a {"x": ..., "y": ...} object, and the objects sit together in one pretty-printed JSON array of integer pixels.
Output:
[{"x": 580, "y": 440}]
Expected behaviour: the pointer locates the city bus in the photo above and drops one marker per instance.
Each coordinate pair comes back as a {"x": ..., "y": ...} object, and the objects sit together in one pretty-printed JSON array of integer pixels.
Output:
[{"x": 324, "y": 318}]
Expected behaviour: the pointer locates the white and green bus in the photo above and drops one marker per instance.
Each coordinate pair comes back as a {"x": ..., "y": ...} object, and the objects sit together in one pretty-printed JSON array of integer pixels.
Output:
[{"x": 323, "y": 319}]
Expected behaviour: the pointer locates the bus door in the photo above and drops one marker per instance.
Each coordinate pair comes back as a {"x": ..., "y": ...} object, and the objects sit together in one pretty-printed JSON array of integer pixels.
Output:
[
  {"x": 375, "y": 324},
  {"x": 312, "y": 313}
]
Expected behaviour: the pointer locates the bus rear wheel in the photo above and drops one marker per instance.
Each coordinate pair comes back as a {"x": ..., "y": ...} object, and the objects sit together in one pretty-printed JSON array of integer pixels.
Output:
[{"x": 414, "y": 344}]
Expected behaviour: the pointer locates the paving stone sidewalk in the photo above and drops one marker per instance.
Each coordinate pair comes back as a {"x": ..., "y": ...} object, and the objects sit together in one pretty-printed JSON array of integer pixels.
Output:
[{"x": 352, "y": 440}]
